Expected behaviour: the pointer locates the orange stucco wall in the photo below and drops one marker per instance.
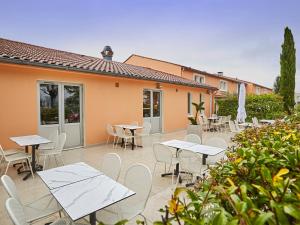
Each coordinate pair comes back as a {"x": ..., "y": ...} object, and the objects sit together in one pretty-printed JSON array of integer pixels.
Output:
[
  {"x": 154, "y": 64},
  {"x": 103, "y": 102},
  {"x": 212, "y": 81}
]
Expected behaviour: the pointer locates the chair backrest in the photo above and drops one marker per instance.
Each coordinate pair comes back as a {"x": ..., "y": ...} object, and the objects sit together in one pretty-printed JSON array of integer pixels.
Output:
[
  {"x": 53, "y": 137},
  {"x": 10, "y": 187},
  {"x": 146, "y": 128},
  {"x": 236, "y": 124},
  {"x": 111, "y": 165},
  {"x": 162, "y": 153},
  {"x": 15, "y": 211},
  {"x": 232, "y": 126},
  {"x": 216, "y": 142},
  {"x": 120, "y": 131},
  {"x": 193, "y": 138},
  {"x": 61, "y": 142},
  {"x": 255, "y": 121},
  {"x": 2, "y": 152},
  {"x": 205, "y": 120},
  {"x": 138, "y": 178},
  {"x": 228, "y": 118},
  {"x": 190, "y": 161},
  {"x": 110, "y": 129}
]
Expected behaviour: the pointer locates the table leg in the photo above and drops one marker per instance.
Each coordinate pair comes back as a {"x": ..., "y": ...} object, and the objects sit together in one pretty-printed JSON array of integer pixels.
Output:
[
  {"x": 204, "y": 159},
  {"x": 93, "y": 219},
  {"x": 132, "y": 141}
]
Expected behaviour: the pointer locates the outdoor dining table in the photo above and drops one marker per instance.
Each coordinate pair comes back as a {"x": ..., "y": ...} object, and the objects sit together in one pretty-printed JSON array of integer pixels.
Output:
[
  {"x": 246, "y": 125},
  {"x": 267, "y": 121},
  {"x": 34, "y": 141},
  {"x": 82, "y": 190},
  {"x": 132, "y": 129},
  {"x": 205, "y": 150}
]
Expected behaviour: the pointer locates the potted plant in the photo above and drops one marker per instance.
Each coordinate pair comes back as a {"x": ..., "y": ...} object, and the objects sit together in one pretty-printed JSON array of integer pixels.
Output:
[{"x": 194, "y": 127}]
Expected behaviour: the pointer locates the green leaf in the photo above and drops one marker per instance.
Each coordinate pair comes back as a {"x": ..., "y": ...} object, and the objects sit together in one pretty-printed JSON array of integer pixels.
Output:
[
  {"x": 292, "y": 211},
  {"x": 266, "y": 174},
  {"x": 220, "y": 219},
  {"x": 263, "y": 218}
]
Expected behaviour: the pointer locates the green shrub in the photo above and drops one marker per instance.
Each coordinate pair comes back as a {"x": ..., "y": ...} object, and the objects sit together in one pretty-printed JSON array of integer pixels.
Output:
[
  {"x": 259, "y": 183},
  {"x": 268, "y": 106}
]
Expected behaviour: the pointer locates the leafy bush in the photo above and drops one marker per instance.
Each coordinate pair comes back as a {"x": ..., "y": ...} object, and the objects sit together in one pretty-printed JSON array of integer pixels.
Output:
[
  {"x": 259, "y": 183},
  {"x": 268, "y": 106}
]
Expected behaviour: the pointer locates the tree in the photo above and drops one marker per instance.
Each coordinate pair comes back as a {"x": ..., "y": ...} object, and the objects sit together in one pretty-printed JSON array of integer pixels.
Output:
[
  {"x": 198, "y": 108},
  {"x": 276, "y": 86},
  {"x": 288, "y": 70}
]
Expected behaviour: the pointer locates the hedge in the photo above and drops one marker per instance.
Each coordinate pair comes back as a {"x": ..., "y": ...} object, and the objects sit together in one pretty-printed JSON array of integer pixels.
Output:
[{"x": 267, "y": 106}]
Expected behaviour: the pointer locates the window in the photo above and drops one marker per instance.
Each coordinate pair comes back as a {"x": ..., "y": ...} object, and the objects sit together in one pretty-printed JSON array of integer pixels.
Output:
[
  {"x": 72, "y": 104},
  {"x": 156, "y": 104},
  {"x": 199, "y": 78},
  {"x": 146, "y": 104},
  {"x": 257, "y": 90},
  {"x": 49, "y": 104},
  {"x": 223, "y": 85},
  {"x": 189, "y": 103}
]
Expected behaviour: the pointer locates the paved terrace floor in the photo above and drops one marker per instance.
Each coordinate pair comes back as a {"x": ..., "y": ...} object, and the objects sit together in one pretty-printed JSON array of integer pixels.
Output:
[{"x": 161, "y": 190}]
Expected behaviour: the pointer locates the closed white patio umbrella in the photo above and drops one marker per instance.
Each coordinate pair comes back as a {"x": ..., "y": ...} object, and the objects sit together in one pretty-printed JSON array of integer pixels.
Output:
[{"x": 241, "y": 112}]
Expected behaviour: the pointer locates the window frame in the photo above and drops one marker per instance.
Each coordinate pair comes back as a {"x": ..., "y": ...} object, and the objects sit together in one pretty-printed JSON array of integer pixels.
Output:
[
  {"x": 220, "y": 86},
  {"x": 199, "y": 75}
]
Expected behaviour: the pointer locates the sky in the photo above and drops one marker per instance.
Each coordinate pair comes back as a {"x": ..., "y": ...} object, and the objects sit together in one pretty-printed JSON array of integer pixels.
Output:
[{"x": 238, "y": 37}]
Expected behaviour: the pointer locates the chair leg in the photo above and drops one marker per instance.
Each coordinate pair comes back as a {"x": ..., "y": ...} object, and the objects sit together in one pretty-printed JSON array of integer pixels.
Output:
[
  {"x": 114, "y": 141},
  {"x": 125, "y": 142},
  {"x": 30, "y": 169},
  {"x": 154, "y": 168},
  {"x": 107, "y": 139},
  {"x": 55, "y": 160},
  {"x": 6, "y": 168},
  {"x": 44, "y": 165}
]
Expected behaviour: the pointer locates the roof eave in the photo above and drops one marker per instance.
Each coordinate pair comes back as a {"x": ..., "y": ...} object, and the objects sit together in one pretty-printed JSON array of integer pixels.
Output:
[{"x": 67, "y": 68}]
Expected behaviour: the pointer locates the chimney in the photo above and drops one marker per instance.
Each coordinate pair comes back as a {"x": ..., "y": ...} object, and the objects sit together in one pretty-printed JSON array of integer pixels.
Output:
[
  {"x": 220, "y": 73},
  {"x": 107, "y": 53}
]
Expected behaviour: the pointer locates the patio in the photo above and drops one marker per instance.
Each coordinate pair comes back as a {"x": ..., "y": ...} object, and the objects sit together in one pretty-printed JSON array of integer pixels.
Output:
[{"x": 161, "y": 188}]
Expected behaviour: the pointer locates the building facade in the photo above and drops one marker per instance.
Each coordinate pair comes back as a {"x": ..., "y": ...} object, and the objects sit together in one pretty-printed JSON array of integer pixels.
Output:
[
  {"x": 225, "y": 84},
  {"x": 45, "y": 89}
]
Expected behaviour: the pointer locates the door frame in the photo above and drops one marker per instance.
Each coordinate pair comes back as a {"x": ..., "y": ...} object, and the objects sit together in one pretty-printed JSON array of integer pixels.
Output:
[
  {"x": 61, "y": 108},
  {"x": 151, "y": 106}
]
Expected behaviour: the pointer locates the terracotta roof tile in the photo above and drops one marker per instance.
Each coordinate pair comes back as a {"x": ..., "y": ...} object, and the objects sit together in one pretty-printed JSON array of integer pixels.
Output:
[{"x": 22, "y": 53}]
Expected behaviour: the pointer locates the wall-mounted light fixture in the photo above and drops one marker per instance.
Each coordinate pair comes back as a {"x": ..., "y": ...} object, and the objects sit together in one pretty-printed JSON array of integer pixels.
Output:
[
  {"x": 117, "y": 84},
  {"x": 176, "y": 90},
  {"x": 158, "y": 86}
]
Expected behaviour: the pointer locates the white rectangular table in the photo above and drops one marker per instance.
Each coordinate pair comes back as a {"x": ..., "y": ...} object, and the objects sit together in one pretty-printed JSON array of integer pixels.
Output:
[
  {"x": 34, "y": 141},
  {"x": 267, "y": 121},
  {"x": 132, "y": 129},
  {"x": 85, "y": 197},
  {"x": 65, "y": 175},
  {"x": 190, "y": 146}
]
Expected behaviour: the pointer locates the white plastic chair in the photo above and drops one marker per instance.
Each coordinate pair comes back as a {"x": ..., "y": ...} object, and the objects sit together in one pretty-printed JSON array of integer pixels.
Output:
[
  {"x": 194, "y": 138},
  {"x": 164, "y": 154},
  {"x": 40, "y": 208},
  {"x": 138, "y": 178},
  {"x": 145, "y": 131},
  {"x": 56, "y": 152},
  {"x": 219, "y": 143},
  {"x": 111, "y": 132},
  {"x": 191, "y": 163},
  {"x": 255, "y": 122},
  {"x": 8, "y": 152},
  {"x": 237, "y": 127},
  {"x": 121, "y": 134},
  {"x": 20, "y": 157},
  {"x": 111, "y": 165},
  {"x": 17, "y": 214},
  {"x": 232, "y": 127},
  {"x": 53, "y": 137}
]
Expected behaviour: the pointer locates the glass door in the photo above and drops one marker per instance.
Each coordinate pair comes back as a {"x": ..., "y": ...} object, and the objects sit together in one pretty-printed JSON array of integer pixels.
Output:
[
  {"x": 60, "y": 108},
  {"x": 152, "y": 109}
]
